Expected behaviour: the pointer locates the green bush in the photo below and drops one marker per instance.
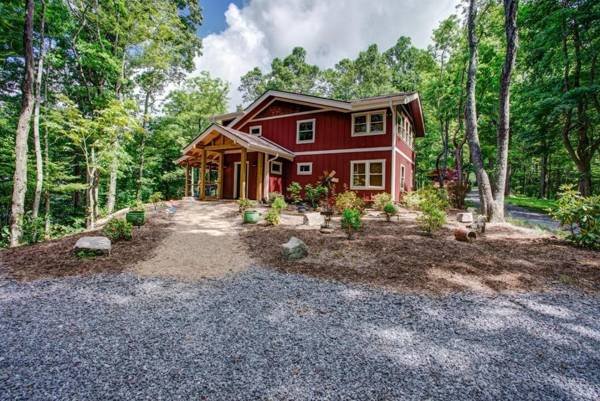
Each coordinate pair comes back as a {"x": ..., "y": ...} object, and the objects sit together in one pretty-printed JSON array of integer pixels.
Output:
[
  {"x": 581, "y": 215},
  {"x": 118, "y": 229},
  {"x": 273, "y": 217},
  {"x": 278, "y": 204},
  {"x": 351, "y": 221},
  {"x": 315, "y": 194},
  {"x": 137, "y": 206},
  {"x": 411, "y": 200},
  {"x": 390, "y": 210},
  {"x": 349, "y": 200},
  {"x": 273, "y": 196},
  {"x": 156, "y": 197},
  {"x": 244, "y": 204},
  {"x": 294, "y": 190},
  {"x": 380, "y": 200}
]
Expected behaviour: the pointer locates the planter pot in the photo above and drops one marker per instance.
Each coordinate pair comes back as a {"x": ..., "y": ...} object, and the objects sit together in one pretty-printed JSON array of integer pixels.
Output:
[
  {"x": 251, "y": 216},
  {"x": 136, "y": 217}
]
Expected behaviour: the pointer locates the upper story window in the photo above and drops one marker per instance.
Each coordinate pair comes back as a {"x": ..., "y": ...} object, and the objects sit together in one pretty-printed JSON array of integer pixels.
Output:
[
  {"x": 305, "y": 131},
  {"x": 256, "y": 130},
  {"x": 405, "y": 129},
  {"x": 367, "y": 174},
  {"x": 371, "y": 123}
]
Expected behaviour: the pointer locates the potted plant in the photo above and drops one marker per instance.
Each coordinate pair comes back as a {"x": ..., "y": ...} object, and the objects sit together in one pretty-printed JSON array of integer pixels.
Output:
[
  {"x": 136, "y": 214},
  {"x": 249, "y": 215}
]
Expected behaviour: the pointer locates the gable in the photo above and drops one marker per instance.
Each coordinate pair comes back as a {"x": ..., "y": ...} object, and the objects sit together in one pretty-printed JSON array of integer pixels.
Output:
[{"x": 280, "y": 108}]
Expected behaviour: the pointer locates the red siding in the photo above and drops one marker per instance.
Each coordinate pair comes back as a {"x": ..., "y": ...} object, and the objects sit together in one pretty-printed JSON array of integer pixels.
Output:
[
  {"x": 228, "y": 174},
  {"x": 332, "y": 131}
]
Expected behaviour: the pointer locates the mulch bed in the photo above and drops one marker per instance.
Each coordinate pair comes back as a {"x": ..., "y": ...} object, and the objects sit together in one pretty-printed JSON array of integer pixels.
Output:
[
  {"x": 56, "y": 258},
  {"x": 398, "y": 256}
]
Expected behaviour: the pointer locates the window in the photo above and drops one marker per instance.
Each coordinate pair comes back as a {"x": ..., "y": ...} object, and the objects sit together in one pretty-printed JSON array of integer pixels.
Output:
[
  {"x": 304, "y": 168},
  {"x": 305, "y": 131},
  {"x": 256, "y": 130},
  {"x": 276, "y": 168},
  {"x": 402, "y": 179},
  {"x": 367, "y": 174},
  {"x": 372, "y": 123}
]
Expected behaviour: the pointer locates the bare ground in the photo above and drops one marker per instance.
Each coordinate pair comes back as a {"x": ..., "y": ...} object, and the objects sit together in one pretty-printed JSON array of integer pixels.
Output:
[
  {"x": 56, "y": 259},
  {"x": 398, "y": 256}
]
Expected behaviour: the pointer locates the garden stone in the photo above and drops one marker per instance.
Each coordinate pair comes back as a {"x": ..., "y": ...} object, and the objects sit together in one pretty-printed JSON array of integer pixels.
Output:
[
  {"x": 464, "y": 217},
  {"x": 314, "y": 219},
  {"x": 294, "y": 249},
  {"x": 96, "y": 245}
]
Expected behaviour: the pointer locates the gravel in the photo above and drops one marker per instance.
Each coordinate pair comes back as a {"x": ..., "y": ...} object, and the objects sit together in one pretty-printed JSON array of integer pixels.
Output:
[{"x": 261, "y": 334}]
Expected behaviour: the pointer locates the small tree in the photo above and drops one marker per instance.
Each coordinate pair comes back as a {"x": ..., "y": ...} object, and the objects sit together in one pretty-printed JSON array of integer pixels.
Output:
[
  {"x": 294, "y": 190},
  {"x": 380, "y": 200},
  {"x": 351, "y": 221},
  {"x": 315, "y": 194},
  {"x": 389, "y": 210}
]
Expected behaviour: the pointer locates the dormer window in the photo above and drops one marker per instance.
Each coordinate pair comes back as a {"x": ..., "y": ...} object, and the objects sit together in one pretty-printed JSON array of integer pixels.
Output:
[
  {"x": 305, "y": 131},
  {"x": 256, "y": 130},
  {"x": 370, "y": 123}
]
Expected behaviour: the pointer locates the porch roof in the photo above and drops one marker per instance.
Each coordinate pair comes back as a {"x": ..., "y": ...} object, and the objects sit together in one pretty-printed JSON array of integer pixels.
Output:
[{"x": 244, "y": 140}]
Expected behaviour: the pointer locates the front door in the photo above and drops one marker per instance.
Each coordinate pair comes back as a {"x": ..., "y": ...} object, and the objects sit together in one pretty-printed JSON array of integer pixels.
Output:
[{"x": 236, "y": 179}]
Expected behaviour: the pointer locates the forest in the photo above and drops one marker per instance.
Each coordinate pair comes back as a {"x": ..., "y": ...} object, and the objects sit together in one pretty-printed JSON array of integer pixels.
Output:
[{"x": 97, "y": 98}]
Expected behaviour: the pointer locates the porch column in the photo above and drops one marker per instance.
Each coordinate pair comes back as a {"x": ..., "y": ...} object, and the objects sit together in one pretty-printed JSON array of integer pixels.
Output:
[
  {"x": 186, "y": 190},
  {"x": 202, "y": 173},
  {"x": 243, "y": 183},
  {"x": 259, "y": 176},
  {"x": 220, "y": 179}
]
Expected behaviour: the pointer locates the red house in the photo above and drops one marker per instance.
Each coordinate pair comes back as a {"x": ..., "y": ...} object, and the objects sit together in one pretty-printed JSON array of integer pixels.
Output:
[{"x": 284, "y": 137}]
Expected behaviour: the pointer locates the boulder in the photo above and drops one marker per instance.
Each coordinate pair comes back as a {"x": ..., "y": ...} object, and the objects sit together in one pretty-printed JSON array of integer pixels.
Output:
[
  {"x": 294, "y": 249},
  {"x": 464, "y": 217},
  {"x": 93, "y": 245},
  {"x": 314, "y": 219}
]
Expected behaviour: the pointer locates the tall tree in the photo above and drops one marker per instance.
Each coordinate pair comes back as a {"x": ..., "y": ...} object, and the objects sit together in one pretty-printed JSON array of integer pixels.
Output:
[
  {"x": 20, "y": 175},
  {"x": 39, "y": 167}
]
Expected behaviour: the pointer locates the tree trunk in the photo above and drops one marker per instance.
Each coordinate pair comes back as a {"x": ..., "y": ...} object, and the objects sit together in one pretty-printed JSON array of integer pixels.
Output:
[
  {"x": 502, "y": 137},
  {"x": 39, "y": 169},
  {"x": 20, "y": 175},
  {"x": 112, "y": 185},
  {"x": 46, "y": 189},
  {"x": 138, "y": 191},
  {"x": 543, "y": 175},
  {"x": 483, "y": 180}
]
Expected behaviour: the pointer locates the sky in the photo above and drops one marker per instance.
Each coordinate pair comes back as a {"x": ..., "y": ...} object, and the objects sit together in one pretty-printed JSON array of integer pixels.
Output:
[{"x": 239, "y": 35}]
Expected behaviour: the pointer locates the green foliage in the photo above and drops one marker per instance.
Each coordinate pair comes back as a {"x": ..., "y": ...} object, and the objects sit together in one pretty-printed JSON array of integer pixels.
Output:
[
  {"x": 411, "y": 200},
  {"x": 582, "y": 216},
  {"x": 349, "y": 200},
  {"x": 431, "y": 202},
  {"x": 390, "y": 210},
  {"x": 539, "y": 205},
  {"x": 431, "y": 218},
  {"x": 156, "y": 197},
  {"x": 315, "y": 194},
  {"x": 273, "y": 196},
  {"x": 273, "y": 216},
  {"x": 278, "y": 204},
  {"x": 351, "y": 221},
  {"x": 294, "y": 190},
  {"x": 245, "y": 204},
  {"x": 380, "y": 200},
  {"x": 137, "y": 206},
  {"x": 33, "y": 229},
  {"x": 117, "y": 230}
]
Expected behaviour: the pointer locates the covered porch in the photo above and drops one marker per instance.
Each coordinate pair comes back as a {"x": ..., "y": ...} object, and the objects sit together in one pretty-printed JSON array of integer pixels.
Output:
[{"x": 223, "y": 163}]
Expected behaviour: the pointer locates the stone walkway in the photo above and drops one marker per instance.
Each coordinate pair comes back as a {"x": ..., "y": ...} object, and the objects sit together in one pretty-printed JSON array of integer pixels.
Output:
[{"x": 204, "y": 243}]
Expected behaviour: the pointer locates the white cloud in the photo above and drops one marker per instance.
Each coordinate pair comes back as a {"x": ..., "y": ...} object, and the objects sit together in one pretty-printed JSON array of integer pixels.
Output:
[{"x": 328, "y": 30}]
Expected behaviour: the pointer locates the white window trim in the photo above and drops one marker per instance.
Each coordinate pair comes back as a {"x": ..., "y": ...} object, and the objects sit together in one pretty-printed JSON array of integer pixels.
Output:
[
  {"x": 402, "y": 177},
  {"x": 255, "y": 126},
  {"x": 368, "y": 114},
  {"x": 367, "y": 174},
  {"x": 299, "y": 172},
  {"x": 314, "y": 130},
  {"x": 280, "y": 164}
]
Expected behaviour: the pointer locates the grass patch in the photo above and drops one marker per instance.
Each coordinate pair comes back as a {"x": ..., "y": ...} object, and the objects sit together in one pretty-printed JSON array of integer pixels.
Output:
[{"x": 535, "y": 204}]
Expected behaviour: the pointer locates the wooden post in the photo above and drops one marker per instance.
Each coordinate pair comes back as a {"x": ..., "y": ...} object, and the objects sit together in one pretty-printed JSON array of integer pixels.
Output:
[
  {"x": 220, "y": 178},
  {"x": 202, "y": 172},
  {"x": 259, "y": 176},
  {"x": 186, "y": 190},
  {"x": 243, "y": 182}
]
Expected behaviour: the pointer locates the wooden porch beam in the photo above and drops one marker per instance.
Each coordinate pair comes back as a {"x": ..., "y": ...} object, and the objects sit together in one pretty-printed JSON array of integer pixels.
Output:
[
  {"x": 220, "y": 179},
  {"x": 186, "y": 190},
  {"x": 223, "y": 147},
  {"x": 243, "y": 183},
  {"x": 202, "y": 174},
  {"x": 259, "y": 176}
]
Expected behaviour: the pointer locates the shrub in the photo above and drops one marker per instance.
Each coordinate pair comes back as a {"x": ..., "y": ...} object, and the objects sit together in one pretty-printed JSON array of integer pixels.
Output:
[
  {"x": 380, "y": 200},
  {"x": 315, "y": 194},
  {"x": 349, "y": 200},
  {"x": 33, "y": 229},
  {"x": 137, "y": 206},
  {"x": 581, "y": 215},
  {"x": 432, "y": 203},
  {"x": 245, "y": 204},
  {"x": 273, "y": 196},
  {"x": 278, "y": 204},
  {"x": 390, "y": 210},
  {"x": 156, "y": 197},
  {"x": 294, "y": 190},
  {"x": 273, "y": 217},
  {"x": 351, "y": 221},
  {"x": 458, "y": 193},
  {"x": 411, "y": 200},
  {"x": 118, "y": 229}
]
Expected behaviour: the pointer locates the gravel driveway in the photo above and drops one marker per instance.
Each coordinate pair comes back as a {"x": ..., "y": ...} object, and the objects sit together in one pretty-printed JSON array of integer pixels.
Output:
[{"x": 260, "y": 334}]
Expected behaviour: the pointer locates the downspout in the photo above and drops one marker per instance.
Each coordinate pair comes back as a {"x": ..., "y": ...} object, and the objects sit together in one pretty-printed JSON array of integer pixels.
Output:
[{"x": 394, "y": 132}]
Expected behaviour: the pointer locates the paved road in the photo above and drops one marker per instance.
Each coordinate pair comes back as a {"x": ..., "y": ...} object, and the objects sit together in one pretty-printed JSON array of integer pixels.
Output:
[{"x": 520, "y": 213}]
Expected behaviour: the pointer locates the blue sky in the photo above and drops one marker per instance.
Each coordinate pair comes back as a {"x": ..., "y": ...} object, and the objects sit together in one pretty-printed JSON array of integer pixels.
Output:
[{"x": 239, "y": 35}]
